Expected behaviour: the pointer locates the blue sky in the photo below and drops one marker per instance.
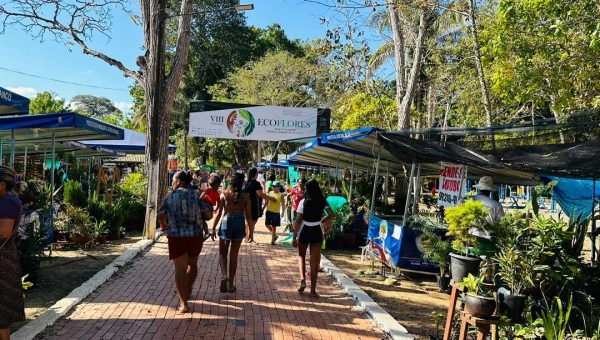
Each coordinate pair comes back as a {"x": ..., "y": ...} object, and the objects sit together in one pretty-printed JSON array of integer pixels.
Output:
[{"x": 20, "y": 52}]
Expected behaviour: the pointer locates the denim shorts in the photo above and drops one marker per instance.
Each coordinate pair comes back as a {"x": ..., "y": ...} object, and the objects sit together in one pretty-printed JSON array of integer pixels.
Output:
[
  {"x": 272, "y": 219},
  {"x": 233, "y": 228}
]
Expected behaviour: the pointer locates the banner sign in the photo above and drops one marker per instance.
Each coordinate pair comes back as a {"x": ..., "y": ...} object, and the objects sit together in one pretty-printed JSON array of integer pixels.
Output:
[
  {"x": 266, "y": 123},
  {"x": 452, "y": 183},
  {"x": 401, "y": 245}
]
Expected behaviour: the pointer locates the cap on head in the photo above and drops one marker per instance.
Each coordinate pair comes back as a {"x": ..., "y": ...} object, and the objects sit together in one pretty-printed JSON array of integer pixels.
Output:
[
  {"x": 486, "y": 183},
  {"x": 277, "y": 184}
]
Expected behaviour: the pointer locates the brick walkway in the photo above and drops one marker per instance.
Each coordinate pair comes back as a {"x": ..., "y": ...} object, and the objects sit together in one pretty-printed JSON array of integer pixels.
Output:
[{"x": 139, "y": 302}]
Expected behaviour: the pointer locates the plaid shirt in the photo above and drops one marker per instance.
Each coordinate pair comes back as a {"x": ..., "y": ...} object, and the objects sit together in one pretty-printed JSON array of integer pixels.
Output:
[{"x": 184, "y": 213}]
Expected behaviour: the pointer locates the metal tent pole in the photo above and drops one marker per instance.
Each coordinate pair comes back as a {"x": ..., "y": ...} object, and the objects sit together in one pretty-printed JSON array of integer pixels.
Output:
[
  {"x": 12, "y": 148},
  {"x": 52, "y": 184},
  {"x": 412, "y": 172},
  {"x": 25, "y": 164},
  {"x": 375, "y": 181},
  {"x": 351, "y": 180},
  {"x": 417, "y": 190},
  {"x": 337, "y": 164},
  {"x": 387, "y": 183}
]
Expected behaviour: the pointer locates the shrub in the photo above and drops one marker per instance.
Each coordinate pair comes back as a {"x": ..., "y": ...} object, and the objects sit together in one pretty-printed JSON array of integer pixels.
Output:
[{"x": 74, "y": 194}]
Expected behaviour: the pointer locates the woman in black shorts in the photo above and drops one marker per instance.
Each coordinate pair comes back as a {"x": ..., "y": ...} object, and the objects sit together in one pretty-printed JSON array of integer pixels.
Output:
[{"x": 309, "y": 231}]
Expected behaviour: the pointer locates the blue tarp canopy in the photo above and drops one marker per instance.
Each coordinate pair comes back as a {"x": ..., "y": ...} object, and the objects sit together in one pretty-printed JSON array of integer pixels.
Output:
[
  {"x": 12, "y": 103},
  {"x": 273, "y": 165},
  {"x": 76, "y": 149},
  {"x": 575, "y": 196},
  {"x": 362, "y": 143},
  {"x": 133, "y": 142}
]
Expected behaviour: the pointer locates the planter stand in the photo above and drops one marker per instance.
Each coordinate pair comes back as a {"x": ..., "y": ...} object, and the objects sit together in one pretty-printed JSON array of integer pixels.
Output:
[{"x": 484, "y": 326}]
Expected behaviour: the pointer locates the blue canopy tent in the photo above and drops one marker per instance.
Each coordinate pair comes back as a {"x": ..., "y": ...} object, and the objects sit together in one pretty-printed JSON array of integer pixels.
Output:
[
  {"x": 270, "y": 165},
  {"x": 133, "y": 142},
  {"x": 51, "y": 129},
  {"x": 12, "y": 104}
]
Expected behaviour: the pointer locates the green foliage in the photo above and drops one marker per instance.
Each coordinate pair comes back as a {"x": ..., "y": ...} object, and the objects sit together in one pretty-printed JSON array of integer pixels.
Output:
[
  {"x": 358, "y": 110},
  {"x": 93, "y": 106},
  {"x": 135, "y": 184},
  {"x": 76, "y": 220},
  {"x": 556, "y": 321},
  {"x": 435, "y": 248},
  {"x": 74, "y": 195},
  {"x": 100, "y": 228},
  {"x": 463, "y": 218},
  {"x": 475, "y": 286},
  {"x": 30, "y": 246},
  {"x": 46, "y": 102}
]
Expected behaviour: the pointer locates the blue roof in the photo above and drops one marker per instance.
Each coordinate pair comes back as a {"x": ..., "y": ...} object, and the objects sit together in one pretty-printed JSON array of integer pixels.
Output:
[
  {"x": 12, "y": 103},
  {"x": 132, "y": 142}
]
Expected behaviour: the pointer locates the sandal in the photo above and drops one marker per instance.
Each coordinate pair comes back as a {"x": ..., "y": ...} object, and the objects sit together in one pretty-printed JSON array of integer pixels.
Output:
[
  {"x": 302, "y": 286},
  {"x": 224, "y": 282},
  {"x": 232, "y": 289}
]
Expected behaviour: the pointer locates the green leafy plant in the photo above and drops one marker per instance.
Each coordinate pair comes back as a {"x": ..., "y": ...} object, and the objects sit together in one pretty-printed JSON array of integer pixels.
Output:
[
  {"x": 555, "y": 320},
  {"x": 475, "y": 286},
  {"x": 462, "y": 219},
  {"x": 100, "y": 228},
  {"x": 435, "y": 248},
  {"x": 74, "y": 195},
  {"x": 30, "y": 245},
  {"x": 518, "y": 268},
  {"x": 438, "y": 318}
]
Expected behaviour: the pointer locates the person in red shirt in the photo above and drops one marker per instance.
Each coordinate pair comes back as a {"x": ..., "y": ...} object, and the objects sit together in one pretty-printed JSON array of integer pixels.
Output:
[
  {"x": 211, "y": 195},
  {"x": 296, "y": 196}
]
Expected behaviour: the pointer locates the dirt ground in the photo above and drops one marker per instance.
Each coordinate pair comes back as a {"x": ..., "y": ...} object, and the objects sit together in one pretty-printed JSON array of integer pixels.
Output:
[
  {"x": 412, "y": 303},
  {"x": 66, "y": 270}
]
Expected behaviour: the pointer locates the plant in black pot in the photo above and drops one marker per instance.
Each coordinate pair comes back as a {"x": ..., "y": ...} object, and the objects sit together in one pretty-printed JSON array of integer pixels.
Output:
[
  {"x": 30, "y": 245},
  {"x": 463, "y": 220},
  {"x": 518, "y": 269},
  {"x": 479, "y": 300},
  {"x": 435, "y": 248},
  {"x": 100, "y": 231}
]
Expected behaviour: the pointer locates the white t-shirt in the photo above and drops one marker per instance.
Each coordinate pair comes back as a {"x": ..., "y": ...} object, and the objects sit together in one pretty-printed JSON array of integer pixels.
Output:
[
  {"x": 261, "y": 180},
  {"x": 495, "y": 214},
  {"x": 300, "y": 210}
]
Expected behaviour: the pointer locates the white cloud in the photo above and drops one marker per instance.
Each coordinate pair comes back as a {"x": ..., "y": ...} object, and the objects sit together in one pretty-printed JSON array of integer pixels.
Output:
[
  {"x": 124, "y": 106},
  {"x": 28, "y": 92}
]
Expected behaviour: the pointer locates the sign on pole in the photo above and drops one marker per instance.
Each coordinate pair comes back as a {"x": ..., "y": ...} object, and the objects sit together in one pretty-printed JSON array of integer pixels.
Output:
[
  {"x": 266, "y": 123},
  {"x": 452, "y": 178}
]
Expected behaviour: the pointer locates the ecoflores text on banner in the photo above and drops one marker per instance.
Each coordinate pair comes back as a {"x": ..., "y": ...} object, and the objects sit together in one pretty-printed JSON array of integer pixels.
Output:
[
  {"x": 267, "y": 123},
  {"x": 452, "y": 178}
]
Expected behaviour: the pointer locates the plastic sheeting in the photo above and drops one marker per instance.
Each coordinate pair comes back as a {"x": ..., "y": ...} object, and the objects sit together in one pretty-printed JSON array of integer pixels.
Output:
[{"x": 575, "y": 196}]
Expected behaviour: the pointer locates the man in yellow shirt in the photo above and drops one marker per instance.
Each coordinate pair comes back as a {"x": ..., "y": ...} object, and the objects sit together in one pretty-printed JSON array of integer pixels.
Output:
[{"x": 275, "y": 211}]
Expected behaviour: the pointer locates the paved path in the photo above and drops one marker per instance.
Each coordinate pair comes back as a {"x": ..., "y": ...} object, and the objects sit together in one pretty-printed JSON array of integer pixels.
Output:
[{"x": 139, "y": 302}]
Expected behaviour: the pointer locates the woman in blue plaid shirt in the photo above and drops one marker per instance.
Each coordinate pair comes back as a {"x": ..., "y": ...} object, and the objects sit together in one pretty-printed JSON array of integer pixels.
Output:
[{"x": 181, "y": 214}]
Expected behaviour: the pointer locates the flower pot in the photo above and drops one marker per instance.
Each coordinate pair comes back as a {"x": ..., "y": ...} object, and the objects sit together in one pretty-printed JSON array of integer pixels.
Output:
[
  {"x": 443, "y": 282},
  {"x": 80, "y": 239},
  {"x": 512, "y": 305},
  {"x": 461, "y": 266},
  {"x": 102, "y": 239},
  {"x": 479, "y": 306}
]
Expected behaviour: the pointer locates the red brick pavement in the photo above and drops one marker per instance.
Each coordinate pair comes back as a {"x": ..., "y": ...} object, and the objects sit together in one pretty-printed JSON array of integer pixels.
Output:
[{"x": 139, "y": 302}]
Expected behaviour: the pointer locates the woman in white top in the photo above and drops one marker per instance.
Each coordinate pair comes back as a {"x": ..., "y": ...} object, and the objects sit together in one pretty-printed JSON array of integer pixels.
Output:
[{"x": 309, "y": 231}]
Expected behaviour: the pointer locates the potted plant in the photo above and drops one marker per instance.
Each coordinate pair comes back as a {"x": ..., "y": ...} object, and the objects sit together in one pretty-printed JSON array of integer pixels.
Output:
[
  {"x": 100, "y": 231},
  {"x": 30, "y": 245},
  {"x": 81, "y": 224},
  {"x": 462, "y": 221},
  {"x": 435, "y": 248},
  {"x": 479, "y": 301}
]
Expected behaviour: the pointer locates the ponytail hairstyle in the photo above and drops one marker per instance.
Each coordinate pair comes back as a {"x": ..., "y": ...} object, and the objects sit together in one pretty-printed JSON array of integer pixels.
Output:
[
  {"x": 314, "y": 201},
  {"x": 185, "y": 178},
  {"x": 236, "y": 186}
]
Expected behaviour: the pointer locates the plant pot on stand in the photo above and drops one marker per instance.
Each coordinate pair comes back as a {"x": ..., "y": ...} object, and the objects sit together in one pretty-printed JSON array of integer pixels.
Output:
[
  {"x": 461, "y": 266},
  {"x": 78, "y": 239},
  {"x": 480, "y": 306},
  {"x": 511, "y": 305}
]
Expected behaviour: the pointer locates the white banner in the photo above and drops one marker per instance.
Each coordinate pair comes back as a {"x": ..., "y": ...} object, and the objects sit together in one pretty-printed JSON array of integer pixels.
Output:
[
  {"x": 452, "y": 184},
  {"x": 268, "y": 123}
]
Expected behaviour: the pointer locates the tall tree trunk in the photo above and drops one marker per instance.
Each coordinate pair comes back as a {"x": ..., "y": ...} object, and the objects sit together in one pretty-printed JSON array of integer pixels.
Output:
[
  {"x": 160, "y": 96},
  {"x": 405, "y": 105},
  {"x": 487, "y": 106},
  {"x": 420, "y": 100},
  {"x": 399, "y": 54},
  {"x": 557, "y": 119},
  {"x": 431, "y": 103}
]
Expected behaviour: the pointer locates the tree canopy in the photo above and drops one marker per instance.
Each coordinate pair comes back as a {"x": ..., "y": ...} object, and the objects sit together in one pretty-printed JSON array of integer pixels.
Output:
[{"x": 46, "y": 102}]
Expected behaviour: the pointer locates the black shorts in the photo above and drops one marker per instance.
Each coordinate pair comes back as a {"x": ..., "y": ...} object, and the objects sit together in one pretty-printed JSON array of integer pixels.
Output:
[
  {"x": 272, "y": 219},
  {"x": 310, "y": 234}
]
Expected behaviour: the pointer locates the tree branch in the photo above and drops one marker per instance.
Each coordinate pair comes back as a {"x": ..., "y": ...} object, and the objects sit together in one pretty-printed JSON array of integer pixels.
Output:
[{"x": 81, "y": 19}]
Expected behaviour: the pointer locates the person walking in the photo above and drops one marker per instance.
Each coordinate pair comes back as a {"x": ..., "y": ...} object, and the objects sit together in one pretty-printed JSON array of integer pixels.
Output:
[
  {"x": 296, "y": 196},
  {"x": 256, "y": 193},
  {"x": 182, "y": 216},
  {"x": 309, "y": 232},
  {"x": 12, "y": 304},
  {"x": 275, "y": 210},
  {"x": 235, "y": 203}
]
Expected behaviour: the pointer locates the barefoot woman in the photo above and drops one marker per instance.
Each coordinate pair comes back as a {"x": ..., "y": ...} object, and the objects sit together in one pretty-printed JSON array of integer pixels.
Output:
[
  {"x": 181, "y": 215},
  {"x": 309, "y": 232},
  {"x": 232, "y": 231}
]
